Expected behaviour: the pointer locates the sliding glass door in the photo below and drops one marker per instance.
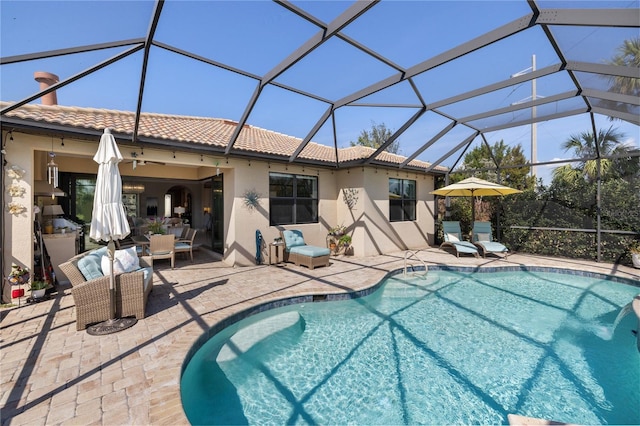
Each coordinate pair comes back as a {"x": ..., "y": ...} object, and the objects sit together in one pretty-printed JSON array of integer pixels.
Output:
[{"x": 217, "y": 214}]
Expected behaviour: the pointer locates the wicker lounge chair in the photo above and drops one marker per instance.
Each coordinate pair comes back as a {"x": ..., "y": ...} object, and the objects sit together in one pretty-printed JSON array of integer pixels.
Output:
[
  {"x": 483, "y": 239},
  {"x": 300, "y": 253},
  {"x": 453, "y": 239},
  {"x": 92, "y": 296}
]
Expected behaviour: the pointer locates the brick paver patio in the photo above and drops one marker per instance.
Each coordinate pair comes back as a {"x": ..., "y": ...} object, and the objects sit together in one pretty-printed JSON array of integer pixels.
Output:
[{"x": 52, "y": 374}]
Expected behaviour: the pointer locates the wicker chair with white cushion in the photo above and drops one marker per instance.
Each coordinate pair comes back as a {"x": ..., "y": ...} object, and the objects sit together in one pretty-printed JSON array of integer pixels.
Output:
[{"x": 91, "y": 291}]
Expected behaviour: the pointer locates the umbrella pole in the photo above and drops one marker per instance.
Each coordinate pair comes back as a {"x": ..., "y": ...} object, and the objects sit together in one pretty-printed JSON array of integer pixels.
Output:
[
  {"x": 473, "y": 209},
  {"x": 111, "y": 251},
  {"x": 112, "y": 325}
]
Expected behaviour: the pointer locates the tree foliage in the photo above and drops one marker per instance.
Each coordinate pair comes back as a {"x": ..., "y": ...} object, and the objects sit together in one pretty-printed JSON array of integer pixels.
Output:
[
  {"x": 494, "y": 158},
  {"x": 628, "y": 56},
  {"x": 570, "y": 202},
  {"x": 567, "y": 209},
  {"x": 377, "y": 136},
  {"x": 584, "y": 145},
  {"x": 485, "y": 158}
]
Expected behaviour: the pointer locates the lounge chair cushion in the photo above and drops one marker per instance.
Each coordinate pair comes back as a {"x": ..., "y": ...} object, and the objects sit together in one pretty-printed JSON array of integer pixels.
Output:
[
  {"x": 183, "y": 246},
  {"x": 91, "y": 264},
  {"x": 311, "y": 251},
  {"x": 493, "y": 247},
  {"x": 465, "y": 247},
  {"x": 148, "y": 276},
  {"x": 293, "y": 238},
  {"x": 161, "y": 252}
]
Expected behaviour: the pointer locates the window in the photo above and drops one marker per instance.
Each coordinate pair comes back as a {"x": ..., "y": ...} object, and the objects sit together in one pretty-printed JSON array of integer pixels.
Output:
[
  {"x": 85, "y": 188},
  {"x": 167, "y": 205},
  {"x": 293, "y": 199},
  {"x": 402, "y": 200}
]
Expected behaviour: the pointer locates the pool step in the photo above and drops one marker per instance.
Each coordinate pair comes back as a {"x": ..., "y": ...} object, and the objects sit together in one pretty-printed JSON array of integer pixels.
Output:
[
  {"x": 245, "y": 339},
  {"x": 517, "y": 420},
  {"x": 398, "y": 287}
]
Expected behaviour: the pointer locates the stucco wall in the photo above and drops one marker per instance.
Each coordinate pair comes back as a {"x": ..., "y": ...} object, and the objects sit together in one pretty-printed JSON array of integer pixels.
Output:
[
  {"x": 243, "y": 222},
  {"x": 367, "y": 221},
  {"x": 17, "y": 235}
]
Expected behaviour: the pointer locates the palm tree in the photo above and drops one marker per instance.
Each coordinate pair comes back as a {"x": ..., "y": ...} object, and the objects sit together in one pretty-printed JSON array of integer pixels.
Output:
[
  {"x": 628, "y": 56},
  {"x": 584, "y": 146}
]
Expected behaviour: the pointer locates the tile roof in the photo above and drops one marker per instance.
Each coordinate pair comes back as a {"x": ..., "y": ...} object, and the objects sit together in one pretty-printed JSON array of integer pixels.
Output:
[{"x": 204, "y": 131}]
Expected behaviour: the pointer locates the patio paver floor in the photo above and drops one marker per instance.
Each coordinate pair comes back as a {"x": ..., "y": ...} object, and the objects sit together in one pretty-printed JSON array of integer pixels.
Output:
[{"x": 52, "y": 374}]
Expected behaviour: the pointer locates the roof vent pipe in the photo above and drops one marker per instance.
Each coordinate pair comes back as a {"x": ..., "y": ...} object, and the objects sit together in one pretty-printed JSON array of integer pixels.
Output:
[{"x": 46, "y": 80}]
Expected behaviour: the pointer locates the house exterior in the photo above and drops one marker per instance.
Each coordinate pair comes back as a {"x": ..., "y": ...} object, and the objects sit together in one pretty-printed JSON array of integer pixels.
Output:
[{"x": 255, "y": 186}]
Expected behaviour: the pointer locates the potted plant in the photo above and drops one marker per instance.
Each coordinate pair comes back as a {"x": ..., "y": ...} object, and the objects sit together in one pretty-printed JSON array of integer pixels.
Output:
[
  {"x": 345, "y": 240},
  {"x": 634, "y": 249},
  {"x": 38, "y": 288},
  {"x": 18, "y": 275},
  {"x": 338, "y": 231},
  {"x": 156, "y": 226}
]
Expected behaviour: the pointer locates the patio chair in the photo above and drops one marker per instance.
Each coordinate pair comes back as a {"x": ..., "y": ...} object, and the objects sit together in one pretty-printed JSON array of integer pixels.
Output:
[
  {"x": 186, "y": 245},
  {"x": 453, "y": 239},
  {"x": 162, "y": 247},
  {"x": 91, "y": 293},
  {"x": 300, "y": 253},
  {"x": 184, "y": 234},
  {"x": 127, "y": 242},
  {"x": 483, "y": 238}
]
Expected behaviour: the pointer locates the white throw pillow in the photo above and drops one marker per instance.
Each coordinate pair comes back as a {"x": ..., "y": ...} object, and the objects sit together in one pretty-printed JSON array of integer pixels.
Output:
[
  {"x": 452, "y": 237},
  {"x": 483, "y": 237},
  {"x": 123, "y": 261}
]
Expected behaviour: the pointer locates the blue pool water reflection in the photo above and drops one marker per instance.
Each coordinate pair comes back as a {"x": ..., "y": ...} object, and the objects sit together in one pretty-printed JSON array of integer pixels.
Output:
[{"x": 456, "y": 347}]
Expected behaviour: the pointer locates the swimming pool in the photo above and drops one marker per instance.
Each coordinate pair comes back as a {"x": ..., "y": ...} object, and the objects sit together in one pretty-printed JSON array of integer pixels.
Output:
[{"x": 456, "y": 347}]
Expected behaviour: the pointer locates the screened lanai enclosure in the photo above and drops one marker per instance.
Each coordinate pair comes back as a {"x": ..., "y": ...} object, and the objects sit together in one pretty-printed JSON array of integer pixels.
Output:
[{"x": 539, "y": 95}]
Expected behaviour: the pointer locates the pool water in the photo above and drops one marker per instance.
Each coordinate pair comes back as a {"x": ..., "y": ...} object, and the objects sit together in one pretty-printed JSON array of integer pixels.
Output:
[{"x": 454, "y": 347}]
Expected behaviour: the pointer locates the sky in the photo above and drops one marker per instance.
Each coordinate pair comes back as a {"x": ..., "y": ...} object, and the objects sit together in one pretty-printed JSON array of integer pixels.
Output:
[{"x": 255, "y": 36}]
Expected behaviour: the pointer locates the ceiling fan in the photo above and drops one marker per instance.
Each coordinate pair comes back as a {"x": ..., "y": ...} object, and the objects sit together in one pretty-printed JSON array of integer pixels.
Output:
[{"x": 137, "y": 162}]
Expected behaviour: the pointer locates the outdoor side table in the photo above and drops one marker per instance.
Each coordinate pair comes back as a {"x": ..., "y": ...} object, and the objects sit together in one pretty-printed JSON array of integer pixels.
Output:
[{"x": 276, "y": 245}]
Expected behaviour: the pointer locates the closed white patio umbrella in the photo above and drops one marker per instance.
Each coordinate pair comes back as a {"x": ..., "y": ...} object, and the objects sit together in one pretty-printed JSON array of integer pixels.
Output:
[{"x": 109, "y": 221}]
